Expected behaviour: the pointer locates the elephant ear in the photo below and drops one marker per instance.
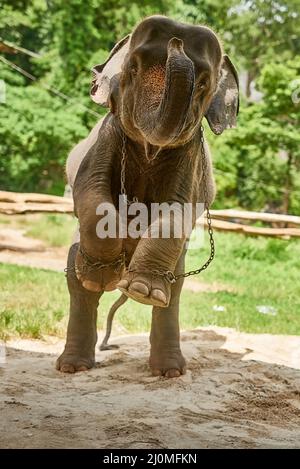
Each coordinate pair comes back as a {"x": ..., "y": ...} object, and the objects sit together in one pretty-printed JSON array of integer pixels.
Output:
[
  {"x": 224, "y": 106},
  {"x": 103, "y": 73}
]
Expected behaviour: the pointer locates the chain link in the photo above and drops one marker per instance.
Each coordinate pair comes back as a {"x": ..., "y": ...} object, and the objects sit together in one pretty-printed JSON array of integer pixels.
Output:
[
  {"x": 123, "y": 172},
  {"x": 208, "y": 216},
  {"x": 168, "y": 275},
  {"x": 91, "y": 263}
]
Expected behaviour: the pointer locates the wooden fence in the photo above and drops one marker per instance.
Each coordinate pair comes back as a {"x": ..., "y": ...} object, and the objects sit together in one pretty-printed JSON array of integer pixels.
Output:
[{"x": 238, "y": 221}]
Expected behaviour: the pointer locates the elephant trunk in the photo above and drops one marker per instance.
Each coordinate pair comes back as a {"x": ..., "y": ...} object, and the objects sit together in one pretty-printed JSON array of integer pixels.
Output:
[{"x": 166, "y": 122}]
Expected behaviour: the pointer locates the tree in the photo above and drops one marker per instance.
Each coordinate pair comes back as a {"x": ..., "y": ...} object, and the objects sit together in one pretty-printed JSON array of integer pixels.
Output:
[
  {"x": 36, "y": 134},
  {"x": 268, "y": 144},
  {"x": 259, "y": 31},
  {"x": 256, "y": 165},
  {"x": 253, "y": 31}
]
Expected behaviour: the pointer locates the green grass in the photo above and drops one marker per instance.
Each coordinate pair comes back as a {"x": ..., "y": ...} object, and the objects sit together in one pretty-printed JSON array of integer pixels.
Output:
[
  {"x": 261, "y": 271},
  {"x": 54, "y": 230}
]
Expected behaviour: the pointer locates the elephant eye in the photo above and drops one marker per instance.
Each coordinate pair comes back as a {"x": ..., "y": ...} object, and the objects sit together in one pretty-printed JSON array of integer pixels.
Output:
[
  {"x": 203, "y": 82},
  {"x": 133, "y": 70},
  {"x": 201, "y": 85}
]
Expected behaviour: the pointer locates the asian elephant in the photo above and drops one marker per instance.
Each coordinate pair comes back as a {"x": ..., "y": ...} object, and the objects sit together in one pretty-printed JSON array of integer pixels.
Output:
[{"x": 159, "y": 83}]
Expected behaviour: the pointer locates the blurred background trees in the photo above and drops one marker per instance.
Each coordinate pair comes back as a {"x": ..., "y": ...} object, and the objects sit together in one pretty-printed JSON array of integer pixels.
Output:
[{"x": 256, "y": 165}]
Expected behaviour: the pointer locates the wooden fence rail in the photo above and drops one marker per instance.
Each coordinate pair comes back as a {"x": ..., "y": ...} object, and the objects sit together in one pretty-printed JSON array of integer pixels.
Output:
[
  {"x": 13, "y": 203},
  {"x": 230, "y": 214},
  {"x": 283, "y": 233}
]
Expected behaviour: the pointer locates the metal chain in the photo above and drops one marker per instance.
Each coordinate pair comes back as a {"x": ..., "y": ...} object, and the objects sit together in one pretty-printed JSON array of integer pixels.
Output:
[
  {"x": 123, "y": 165},
  {"x": 208, "y": 216},
  {"x": 123, "y": 172},
  {"x": 91, "y": 263},
  {"x": 168, "y": 275}
]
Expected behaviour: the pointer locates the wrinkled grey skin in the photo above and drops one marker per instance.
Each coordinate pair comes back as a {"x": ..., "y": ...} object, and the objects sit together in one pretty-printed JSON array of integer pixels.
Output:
[{"x": 168, "y": 78}]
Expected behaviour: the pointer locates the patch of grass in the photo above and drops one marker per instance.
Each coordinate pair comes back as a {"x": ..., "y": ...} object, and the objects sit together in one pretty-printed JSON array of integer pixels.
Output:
[
  {"x": 55, "y": 230},
  {"x": 261, "y": 271},
  {"x": 5, "y": 220},
  {"x": 32, "y": 302},
  {"x": 35, "y": 302}
]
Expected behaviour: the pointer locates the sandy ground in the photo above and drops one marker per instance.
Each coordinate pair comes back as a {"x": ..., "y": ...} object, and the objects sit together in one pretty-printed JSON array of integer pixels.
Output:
[
  {"x": 240, "y": 391},
  {"x": 50, "y": 258}
]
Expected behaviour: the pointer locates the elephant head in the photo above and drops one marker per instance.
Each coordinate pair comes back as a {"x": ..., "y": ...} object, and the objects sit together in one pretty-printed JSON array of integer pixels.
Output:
[{"x": 164, "y": 78}]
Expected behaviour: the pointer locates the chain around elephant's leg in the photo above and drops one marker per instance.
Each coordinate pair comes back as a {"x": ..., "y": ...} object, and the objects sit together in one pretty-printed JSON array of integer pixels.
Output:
[{"x": 79, "y": 352}]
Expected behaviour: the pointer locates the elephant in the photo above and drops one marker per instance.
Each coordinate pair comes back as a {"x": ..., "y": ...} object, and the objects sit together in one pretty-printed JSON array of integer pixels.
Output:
[{"x": 159, "y": 83}]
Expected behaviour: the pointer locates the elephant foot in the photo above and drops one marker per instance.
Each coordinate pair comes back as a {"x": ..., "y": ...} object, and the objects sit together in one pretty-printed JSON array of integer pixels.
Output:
[
  {"x": 146, "y": 288},
  {"x": 72, "y": 362},
  {"x": 94, "y": 279},
  {"x": 170, "y": 365}
]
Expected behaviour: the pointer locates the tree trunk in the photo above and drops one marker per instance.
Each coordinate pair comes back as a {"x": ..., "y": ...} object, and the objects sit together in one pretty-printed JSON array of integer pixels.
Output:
[
  {"x": 288, "y": 185},
  {"x": 249, "y": 80}
]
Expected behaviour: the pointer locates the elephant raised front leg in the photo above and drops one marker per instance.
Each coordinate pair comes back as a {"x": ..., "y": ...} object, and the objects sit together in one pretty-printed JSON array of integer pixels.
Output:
[
  {"x": 98, "y": 261},
  {"x": 94, "y": 250},
  {"x": 166, "y": 358},
  {"x": 79, "y": 353},
  {"x": 146, "y": 280}
]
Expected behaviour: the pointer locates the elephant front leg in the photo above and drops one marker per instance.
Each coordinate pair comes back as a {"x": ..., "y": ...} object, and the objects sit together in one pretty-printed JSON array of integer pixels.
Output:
[
  {"x": 166, "y": 358},
  {"x": 79, "y": 352},
  {"x": 149, "y": 276},
  {"x": 99, "y": 261}
]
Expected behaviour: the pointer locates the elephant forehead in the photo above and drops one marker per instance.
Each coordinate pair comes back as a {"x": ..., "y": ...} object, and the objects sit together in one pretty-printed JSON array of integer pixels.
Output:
[
  {"x": 160, "y": 29},
  {"x": 200, "y": 45},
  {"x": 149, "y": 54}
]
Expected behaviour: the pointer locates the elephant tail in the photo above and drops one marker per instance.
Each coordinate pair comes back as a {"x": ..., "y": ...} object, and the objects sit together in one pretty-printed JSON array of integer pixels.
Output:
[{"x": 120, "y": 301}]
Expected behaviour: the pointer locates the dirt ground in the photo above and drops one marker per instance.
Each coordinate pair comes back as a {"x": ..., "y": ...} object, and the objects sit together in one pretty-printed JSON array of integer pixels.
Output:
[{"x": 240, "y": 391}]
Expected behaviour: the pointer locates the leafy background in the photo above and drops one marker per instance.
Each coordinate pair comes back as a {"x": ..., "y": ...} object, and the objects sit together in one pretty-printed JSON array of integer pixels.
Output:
[{"x": 256, "y": 165}]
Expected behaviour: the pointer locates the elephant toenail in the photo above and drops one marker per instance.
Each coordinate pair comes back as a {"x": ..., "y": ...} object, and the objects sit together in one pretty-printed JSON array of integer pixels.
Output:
[
  {"x": 139, "y": 288},
  {"x": 123, "y": 284},
  {"x": 156, "y": 372},
  {"x": 91, "y": 286},
  {"x": 67, "y": 368},
  {"x": 159, "y": 296},
  {"x": 172, "y": 373},
  {"x": 82, "y": 368}
]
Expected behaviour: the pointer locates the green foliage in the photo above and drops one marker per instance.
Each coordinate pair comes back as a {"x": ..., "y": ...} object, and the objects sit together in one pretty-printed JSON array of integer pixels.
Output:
[
  {"x": 262, "y": 30},
  {"x": 36, "y": 133},
  {"x": 256, "y": 166},
  {"x": 266, "y": 143}
]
